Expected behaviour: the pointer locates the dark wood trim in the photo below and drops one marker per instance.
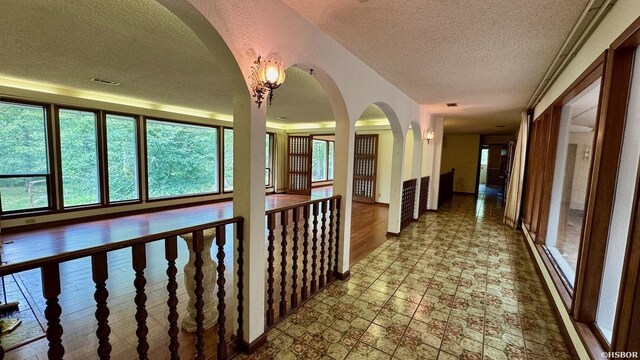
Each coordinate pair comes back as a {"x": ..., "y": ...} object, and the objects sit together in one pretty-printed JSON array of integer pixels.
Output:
[
  {"x": 601, "y": 191},
  {"x": 392, "y": 234},
  {"x": 255, "y": 344},
  {"x": 103, "y": 166},
  {"x": 549, "y": 169},
  {"x": 342, "y": 275}
]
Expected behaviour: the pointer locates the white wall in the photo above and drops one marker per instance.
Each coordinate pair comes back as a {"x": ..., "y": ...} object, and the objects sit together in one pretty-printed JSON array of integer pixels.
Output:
[{"x": 583, "y": 140}]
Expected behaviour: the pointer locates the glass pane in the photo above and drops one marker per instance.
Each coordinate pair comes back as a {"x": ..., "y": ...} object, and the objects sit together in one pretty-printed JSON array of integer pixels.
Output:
[
  {"x": 78, "y": 149},
  {"x": 228, "y": 159},
  {"x": 122, "y": 157},
  {"x": 23, "y": 139},
  {"x": 319, "y": 160},
  {"x": 267, "y": 166},
  {"x": 622, "y": 210},
  {"x": 22, "y": 193},
  {"x": 330, "y": 161},
  {"x": 569, "y": 193},
  {"x": 181, "y": 159}
]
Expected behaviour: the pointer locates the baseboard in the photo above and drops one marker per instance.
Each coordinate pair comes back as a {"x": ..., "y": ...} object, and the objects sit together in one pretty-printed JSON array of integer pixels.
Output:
[
  {"x": 567, "y": 326},
  {"x": 255, "y": 344},
  {"x": 392, "y": 234},
  {"x": 342, "y": 276}
]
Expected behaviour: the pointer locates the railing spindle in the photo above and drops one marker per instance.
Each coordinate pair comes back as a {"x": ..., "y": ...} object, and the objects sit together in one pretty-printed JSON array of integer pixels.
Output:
[
  {"x": 271, "y": 224},
  {"x": 171, "y": 254},
  {"x": 51, "y": 291},
  {"x": 139, "y": 259},
  {"x": 294, "y": 260},
  {"x": 330, "y": 250},
  {"x": 240, "y": 272},
  {"x": 221, "y": 281},
  {"x": 314, "y": 249},
  {"x": 323, "y": 239},
  {"x": 1, "y": 347},
  {"x": 284, "y": 222},
  {"x": 338, "y": 204},
  {"x": 198, "y": 247},
  {"x": 305, "y": 251},
  {"x": 100, "y": 272}
]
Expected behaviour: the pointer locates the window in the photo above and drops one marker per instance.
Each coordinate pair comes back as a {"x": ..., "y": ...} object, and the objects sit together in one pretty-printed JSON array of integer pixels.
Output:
[
  {"x": 24, "y": 164},
  {"x": 79, "y": 154},
  {"x": 330, "y": 160},
  {"x": 122, "y": 158},
  {"x": 321, "y": 160},
  {"x": 268, "y": 173},
  {"x": 569, "y": 192},
  {"x": 622, "y": 208},
  {"x": 181, "y": 159},
  {"x": 228, "y": 159}
]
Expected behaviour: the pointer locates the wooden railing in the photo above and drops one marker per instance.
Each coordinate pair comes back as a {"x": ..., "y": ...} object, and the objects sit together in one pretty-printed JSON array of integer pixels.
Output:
[
  {"x": 445, "y": 192},
  {"x": 408, "y": 202},
  {"x": 423, "y": 202},
  {"x": 314, "y": 228},
  {"x": 198, "y": 239}
]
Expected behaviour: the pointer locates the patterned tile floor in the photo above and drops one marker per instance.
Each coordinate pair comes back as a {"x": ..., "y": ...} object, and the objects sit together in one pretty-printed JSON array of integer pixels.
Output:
[{"x": 456, "y": 284}]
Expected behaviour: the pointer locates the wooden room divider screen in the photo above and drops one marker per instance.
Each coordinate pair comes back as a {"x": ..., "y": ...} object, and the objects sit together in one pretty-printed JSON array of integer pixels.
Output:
[
  {"x": 365, "y": 168},
  {"x": 299, "y": 165}
]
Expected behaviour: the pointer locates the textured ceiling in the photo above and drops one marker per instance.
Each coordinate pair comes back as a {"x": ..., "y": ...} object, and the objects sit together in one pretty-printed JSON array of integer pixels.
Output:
[
  {"x": 139, "y": 44},
  {"x": 488, "y": 56}
]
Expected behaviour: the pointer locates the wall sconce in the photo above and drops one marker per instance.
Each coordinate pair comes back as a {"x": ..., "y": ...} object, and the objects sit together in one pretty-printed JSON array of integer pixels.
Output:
[
  {"x": 427, "y": 135},
  {"x": 266, "y": 76}
]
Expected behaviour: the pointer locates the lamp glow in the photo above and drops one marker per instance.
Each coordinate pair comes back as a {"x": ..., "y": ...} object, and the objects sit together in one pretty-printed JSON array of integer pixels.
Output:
[{"x": 266, "y": 76}]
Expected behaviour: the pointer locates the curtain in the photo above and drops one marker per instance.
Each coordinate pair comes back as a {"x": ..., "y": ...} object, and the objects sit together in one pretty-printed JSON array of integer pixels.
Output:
[
  {"x": 516, "y": 180},
  {"x": 280, "y": 162}
]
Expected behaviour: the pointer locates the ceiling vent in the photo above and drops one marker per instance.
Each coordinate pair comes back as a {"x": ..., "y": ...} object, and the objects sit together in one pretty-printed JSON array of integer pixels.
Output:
[
  {"x": 452, "y": 104},
  {"x": 105, "y": 82}
]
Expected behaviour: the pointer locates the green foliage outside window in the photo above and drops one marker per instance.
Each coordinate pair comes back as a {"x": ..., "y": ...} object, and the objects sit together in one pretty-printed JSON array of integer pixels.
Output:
[
  {"x": 79, "y": 154},
  {"x": 122, "y": 154},
  {"x": 181, "y": 159}
]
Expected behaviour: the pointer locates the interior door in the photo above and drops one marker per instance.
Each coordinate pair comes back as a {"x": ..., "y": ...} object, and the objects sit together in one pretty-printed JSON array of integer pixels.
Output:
[
  {"x": 299, "y": 165},
  {"x": 365, "y": 164}
]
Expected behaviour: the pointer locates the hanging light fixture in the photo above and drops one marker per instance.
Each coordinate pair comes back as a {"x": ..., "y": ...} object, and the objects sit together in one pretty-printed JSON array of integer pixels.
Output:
[
  {"x": 427, "y": 135},
  {"x": 266, "y": 76}
]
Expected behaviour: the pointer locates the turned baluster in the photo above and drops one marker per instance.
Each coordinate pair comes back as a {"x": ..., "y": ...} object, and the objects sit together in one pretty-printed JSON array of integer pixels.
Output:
[
  {"x": 171, "y": 254},
  {"x": 330, "y": 236},
  {"x": 271, "y": 224},
  {"x": 323, "y": 239},
  {"x": 240, "y": 272},
  {"x": 305, "y": 251},
  {"x": 139, "y": 259},
  {"x": 294, "y": 259},
  {"x": 284, "y": 221},
  {"x": 222, "y": 344},
  {"x": 314, "y": 249},
  {"x": 198, "y": 247},
  {"x": 100, "y": 273},
  {"x": 1, "y": 347},
  {"x": 51, "y": 290},
  {"x": 338, "y": 202}
]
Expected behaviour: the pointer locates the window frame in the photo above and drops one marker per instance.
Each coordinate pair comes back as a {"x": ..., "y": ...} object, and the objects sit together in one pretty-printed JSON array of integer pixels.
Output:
[
  {"x": 271, "y": 158},
  {"x": 326, "y": 180},
  {"x": 51, "y": 162},
  {"x": 138, "y": 136}
]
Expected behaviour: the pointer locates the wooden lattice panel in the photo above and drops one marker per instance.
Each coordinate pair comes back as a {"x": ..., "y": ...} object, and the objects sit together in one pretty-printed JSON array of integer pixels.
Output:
[
  {"x": 408, "y": 202},
  {"x": 299, "y": 165},
  {"x": 365, "y": 168}
]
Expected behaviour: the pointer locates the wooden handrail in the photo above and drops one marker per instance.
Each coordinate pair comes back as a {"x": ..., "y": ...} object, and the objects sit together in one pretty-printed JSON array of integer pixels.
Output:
[
  {"x": 12, "y": 268},
  {"x": 301, "y": 204}
]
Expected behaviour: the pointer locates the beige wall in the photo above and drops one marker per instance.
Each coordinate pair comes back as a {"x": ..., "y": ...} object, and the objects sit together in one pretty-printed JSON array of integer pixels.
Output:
[
  {"x": 583, "y": 140},
  {"x": 461, "y": 153}
]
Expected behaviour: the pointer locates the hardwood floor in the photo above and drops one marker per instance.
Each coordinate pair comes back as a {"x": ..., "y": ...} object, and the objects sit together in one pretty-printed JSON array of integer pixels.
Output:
[{"x": 368, "y": 231}]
